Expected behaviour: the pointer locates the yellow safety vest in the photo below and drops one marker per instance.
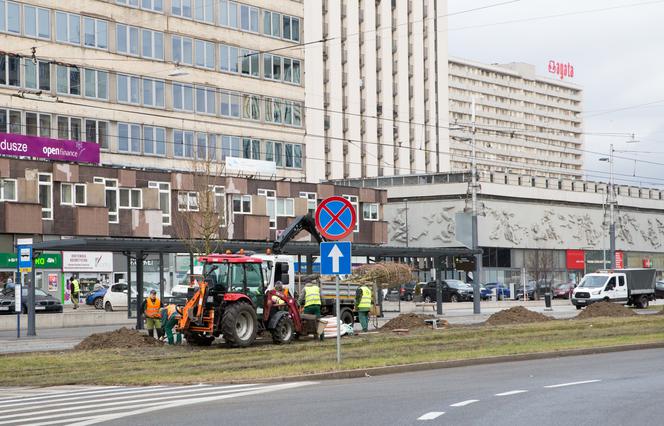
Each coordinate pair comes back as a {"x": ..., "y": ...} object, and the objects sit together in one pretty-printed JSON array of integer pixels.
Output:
[
  {"x": 74, "y": 286},
  {"x": 365, "y": 301},
  {"x": 276, "y": 300},
  {"x": 311, "y": 296}
]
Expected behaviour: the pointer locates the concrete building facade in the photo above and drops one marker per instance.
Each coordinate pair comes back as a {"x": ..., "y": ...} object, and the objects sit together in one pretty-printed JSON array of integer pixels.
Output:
[
  {"x": 376, "y": 88},
  {"x": 525, "y": 124}
]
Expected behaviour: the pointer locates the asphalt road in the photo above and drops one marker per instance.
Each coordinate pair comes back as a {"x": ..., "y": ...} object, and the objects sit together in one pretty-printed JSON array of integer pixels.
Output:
[{"x": 622, "y": 388}]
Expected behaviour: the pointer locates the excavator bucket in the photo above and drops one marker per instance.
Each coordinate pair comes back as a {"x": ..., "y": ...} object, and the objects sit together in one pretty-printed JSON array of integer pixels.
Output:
[{"x": 194, "y": 309}]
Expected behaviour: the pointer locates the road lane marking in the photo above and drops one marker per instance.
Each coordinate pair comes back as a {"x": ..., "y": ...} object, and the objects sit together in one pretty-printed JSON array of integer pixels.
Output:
[
  {"x": 562, "y": 385},
  {"x": 464, "y": 403},
  {"x": 514, "y": 392},
  {"x": 430, "y": 416}
]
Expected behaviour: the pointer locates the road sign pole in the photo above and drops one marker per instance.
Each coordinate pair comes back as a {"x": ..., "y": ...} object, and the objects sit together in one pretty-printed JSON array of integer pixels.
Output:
[
  {"x": 31, "y": 303},
  {"x": 17, "y": 303},
  {"x": 338, "y": 321}
]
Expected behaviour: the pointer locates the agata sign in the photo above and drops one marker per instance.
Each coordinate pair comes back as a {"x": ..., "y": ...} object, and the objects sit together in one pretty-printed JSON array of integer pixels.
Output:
[{"x": 561, "y": 70}]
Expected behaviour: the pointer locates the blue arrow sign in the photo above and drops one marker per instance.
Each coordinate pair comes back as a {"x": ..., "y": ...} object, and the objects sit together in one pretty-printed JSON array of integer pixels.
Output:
[{"x": 335, "y": 258}]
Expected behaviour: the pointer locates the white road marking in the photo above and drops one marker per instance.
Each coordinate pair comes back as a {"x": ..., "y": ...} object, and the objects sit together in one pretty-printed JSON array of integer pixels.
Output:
[
  {"x": 514, "y": 392},
  {"x": 430, "y": 416},
  {"x": 464, "y": 403},
  {"x": 59, "y": 394},
  {"x": 562, "y": 385}
]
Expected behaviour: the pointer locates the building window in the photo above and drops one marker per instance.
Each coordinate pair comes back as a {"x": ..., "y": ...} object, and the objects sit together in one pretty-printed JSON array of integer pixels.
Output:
[
  {"x": 96, "y": 84},
  {"x": 271, "y": 204},
  {"x": 355, "y": 203},
  {"x": 129, "y": 89},
  {"x": 153, "y": 93},
  {"x": 154, "y": 5},
  {"x": 248, "y": 18},
  {"x": 10, "y": 121},
  {"x": 228, "y": 11},
  {"x": 46, "y": 195},
  {"x": 312, "y": 201},
  {"x": 131, "y": 198},
  {"x": 38, "y": 124},
  {"x": 164, "y": 199},
  {"x": 205, "y": 101},
  {"x": 183, "y": 144},
  {"x": 182, "y": 8},
  {"x": 204, "y": 53},
  {"x": 10, "y": 17},
  {"x": 10, "y": 70},
  {"x": 95, "y": 33},
  {"x": 229, "y": 58},
  {"x": 73, "y": 194},
  {"x": 69, "y": 128},
  {"x": 231, "y": 147},
  {"x": 7, "y": 189},
  {"x": 129, "y": 138},
  {"x": 291, "y": 28},
  {"x": 182, "y": 50},
  {"x": 206, "y": 146},
  {"x": 67, "y": 28},
  {"x": 219, "y": 193},
  {"x": 251, "y": 109},
  {"x": 68, "y": 80},
  {"x": 127, "y": 40},
  {"x": 281, "y": 69},
  {"x": 187, "y": 201},
  {"x": 288, "y": 155},
  {"x": 153, "y": 44},
  {"x": 285, "y": 207},
  {"x": 272, "y": 24},
  {"x": 154, "y": 140},
  {"x": 273, "y": 111},
  {"x": 230, "y": 104},
  {"x": 36, "y": 22},
  {"x": 249, "y": 62},
  {"x": 251, "y": 148},
  {"x": 97, "y": 132},
  {"x": 37, "y": 76},
  {"x": 204, "y": 11},
  {"x": 183, "y": 97},
  {"x": 370, "y": 211},
  {"x": 241, "y": 204},
  {"x": 111, "y": 200}
]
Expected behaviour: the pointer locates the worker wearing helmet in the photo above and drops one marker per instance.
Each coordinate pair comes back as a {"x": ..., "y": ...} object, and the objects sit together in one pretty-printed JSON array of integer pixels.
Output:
[
  {"x": 363, "y": 306},
  {"x": 151, "y": 307},
  {"x": 311, "y": 299},
  {"x": 169, "y": 316}
]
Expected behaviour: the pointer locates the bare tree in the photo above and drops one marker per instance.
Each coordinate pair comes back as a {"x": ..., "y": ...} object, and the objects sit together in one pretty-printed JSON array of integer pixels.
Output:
[
  {"x": 201, "y": 216},
  {"x": 539, "y": 264},
  {"x": 386, "y": 274}
]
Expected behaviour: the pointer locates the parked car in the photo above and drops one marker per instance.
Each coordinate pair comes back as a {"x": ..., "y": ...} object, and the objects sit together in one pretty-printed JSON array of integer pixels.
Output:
[
  {"x": 562, "y": 290},
  {"x": 532, "y": 289},
  {"x": 115, "y": 297},
  {"x": 502, "y": 291},
  {"x": 407, "y": 291},
  {"x": 392, "y": 295},
  {"x": 96, "y": 298},
  {"x": 44, "y": 302},
  {"x": 659, "y": 289},
  {"x": 453, "y": 291}
]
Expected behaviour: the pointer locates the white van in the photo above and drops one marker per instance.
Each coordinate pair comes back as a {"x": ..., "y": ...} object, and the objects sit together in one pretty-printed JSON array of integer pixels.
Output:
[{"x": 627, "y": 286}]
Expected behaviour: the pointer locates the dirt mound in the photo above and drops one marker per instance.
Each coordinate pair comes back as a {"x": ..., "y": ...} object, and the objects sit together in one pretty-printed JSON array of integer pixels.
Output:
[
  {"x": 408, "y": 321},
  {"x": 123, "y": 338},
  {"x": 516, "y": 315},
  {"x": 605, "y": 309}
]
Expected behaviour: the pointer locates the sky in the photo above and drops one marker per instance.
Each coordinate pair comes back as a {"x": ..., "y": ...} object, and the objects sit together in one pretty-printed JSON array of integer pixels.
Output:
[{"x": 618, "y": 59}]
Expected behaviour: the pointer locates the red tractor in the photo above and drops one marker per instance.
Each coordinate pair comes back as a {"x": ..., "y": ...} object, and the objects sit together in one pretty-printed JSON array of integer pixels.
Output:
[{"x": 232, "y": 302}]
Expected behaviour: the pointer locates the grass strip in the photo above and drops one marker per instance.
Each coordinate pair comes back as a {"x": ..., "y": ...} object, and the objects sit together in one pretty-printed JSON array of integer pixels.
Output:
[{"x": 184, "y": 365}]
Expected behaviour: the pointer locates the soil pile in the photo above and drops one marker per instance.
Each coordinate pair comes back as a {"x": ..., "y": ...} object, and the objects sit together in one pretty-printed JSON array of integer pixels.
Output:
[
  {"x": 123, "y": 338},
  {"x": 407, "y": 321},
  {"x": 516, "y": 315},
  {"x": 605, "y": 309}
]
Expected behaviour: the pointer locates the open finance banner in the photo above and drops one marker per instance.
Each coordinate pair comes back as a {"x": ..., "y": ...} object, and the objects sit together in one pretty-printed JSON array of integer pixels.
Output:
[{"x": 50, "y": 149}]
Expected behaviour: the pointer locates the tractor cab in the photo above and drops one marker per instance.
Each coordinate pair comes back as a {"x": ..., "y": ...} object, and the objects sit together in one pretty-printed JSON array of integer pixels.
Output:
[{"x": 234, "y": 274}]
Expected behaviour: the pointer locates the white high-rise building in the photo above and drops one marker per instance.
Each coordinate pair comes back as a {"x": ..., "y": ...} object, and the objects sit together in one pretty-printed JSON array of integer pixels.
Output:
[
  {"x": 526, "y": 124},
  {"x": 376, "y": 88}
]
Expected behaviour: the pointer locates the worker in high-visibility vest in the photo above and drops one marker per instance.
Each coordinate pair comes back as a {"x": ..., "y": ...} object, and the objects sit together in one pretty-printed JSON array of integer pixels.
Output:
[
  {"x": 75, "y": 288},
  {"x": 169, "y": 317},
  {"x": 277, "y": 301},
  {"x": 151, "y": 307},
  {"x": 310, "y": 298},
  {"x": 363, "y": 306}
]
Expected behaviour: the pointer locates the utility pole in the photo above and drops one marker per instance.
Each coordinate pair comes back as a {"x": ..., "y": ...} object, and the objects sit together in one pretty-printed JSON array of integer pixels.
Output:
[
  {"x": 475, "y": 244},
  {"x": 612, "y": 219},
  {"x": 407, "y": 230}
]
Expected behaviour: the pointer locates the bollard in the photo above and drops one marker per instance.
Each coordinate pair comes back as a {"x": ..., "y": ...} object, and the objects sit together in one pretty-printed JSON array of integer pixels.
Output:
[{"x": 547, "y": 301}]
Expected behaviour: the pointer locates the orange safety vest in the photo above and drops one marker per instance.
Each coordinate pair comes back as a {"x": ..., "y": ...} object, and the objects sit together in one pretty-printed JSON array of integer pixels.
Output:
[{"x": 152, "y": 308}]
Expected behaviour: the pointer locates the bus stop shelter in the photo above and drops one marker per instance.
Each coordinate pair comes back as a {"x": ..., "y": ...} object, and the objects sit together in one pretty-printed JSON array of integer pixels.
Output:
[{"x": 138, "y": 249}]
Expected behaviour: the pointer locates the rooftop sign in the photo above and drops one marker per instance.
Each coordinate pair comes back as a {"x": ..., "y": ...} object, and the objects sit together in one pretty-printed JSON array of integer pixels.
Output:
[{"x": 561, "y": 70}]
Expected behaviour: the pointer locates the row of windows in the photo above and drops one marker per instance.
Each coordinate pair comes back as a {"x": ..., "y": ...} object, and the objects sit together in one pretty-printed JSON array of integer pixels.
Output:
[
  {"x": 94, "y": 84},
  {"x": 139, "y": 139}
]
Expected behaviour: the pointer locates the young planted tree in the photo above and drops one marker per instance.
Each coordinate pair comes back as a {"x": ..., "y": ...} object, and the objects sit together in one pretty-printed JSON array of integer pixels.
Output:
[{"x": 539, "y": 265}]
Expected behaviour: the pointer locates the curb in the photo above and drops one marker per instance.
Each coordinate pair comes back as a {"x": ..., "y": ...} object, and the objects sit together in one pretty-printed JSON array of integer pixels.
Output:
[{"x": 434, "y": 365}]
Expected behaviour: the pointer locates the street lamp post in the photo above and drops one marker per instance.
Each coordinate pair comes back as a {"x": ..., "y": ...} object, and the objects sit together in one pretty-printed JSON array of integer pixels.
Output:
[
  {"x": 475, "y": 243},
  {"x": 612, "y": 201}
]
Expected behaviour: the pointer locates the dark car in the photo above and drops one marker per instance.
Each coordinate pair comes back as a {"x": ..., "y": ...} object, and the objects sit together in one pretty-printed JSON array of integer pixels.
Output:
[
  {"x": 407, "y": 292},
  {"x": 44, "y": 302},
  {"x": 659, "y": 289},
  {"x": 562, "y": 290},
  {"x": 96, "y": 298},
  {"x": 502, "y": 291},
  {"x": 453, "y": 291}
]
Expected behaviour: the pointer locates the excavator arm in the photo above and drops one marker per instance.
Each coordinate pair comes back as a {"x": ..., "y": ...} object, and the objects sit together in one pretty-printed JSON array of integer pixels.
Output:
[{"x": 301, "y": 223}]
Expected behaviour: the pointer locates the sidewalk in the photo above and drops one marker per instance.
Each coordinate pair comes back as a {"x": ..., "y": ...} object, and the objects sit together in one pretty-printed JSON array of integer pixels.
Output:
[
  {"x": 57, "y": 339},
  {"x": 84, "y": 316}
]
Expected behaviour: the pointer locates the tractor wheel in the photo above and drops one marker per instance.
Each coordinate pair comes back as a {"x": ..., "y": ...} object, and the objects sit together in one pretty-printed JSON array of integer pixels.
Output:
[
  {"x": 198, "y": 339},
  {"x": 284, "y": 331},
  {"x": 238, "y": 325}
]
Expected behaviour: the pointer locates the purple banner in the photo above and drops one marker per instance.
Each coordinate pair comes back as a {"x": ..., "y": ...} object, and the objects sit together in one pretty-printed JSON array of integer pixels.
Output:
[{"x": 51, "y": 149}]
